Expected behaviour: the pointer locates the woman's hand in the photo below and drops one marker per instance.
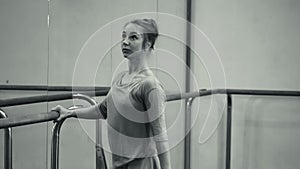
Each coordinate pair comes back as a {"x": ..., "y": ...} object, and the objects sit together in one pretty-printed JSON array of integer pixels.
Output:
[{"x": 63, "y": 113}]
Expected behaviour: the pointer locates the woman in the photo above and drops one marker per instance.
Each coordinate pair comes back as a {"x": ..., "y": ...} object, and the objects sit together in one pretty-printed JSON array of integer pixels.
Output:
[{"x": 134, "y": 106}]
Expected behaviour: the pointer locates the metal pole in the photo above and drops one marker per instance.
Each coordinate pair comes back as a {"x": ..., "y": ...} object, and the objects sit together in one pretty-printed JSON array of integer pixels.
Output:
[
  {"x": 187, "y": 139},
  {"x": 47, "y": 98},
  {"x": 228, "y": 132},
  {"x": 28, "y": 119},
  {"x": 52, "y": 88},
  {"x": 56, "y": 133},
  {"x": 55, "y": 145},
  {"x": 100, "y": 157},
  {"x": 170, "y": 97},
  {"x": 7, "y": 144}
]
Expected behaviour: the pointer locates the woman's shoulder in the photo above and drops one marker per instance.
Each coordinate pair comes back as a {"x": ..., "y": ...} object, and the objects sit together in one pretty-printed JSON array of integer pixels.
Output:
[
  {"x": 117, "y": 76},
  {"x": 150, "y": 81}
]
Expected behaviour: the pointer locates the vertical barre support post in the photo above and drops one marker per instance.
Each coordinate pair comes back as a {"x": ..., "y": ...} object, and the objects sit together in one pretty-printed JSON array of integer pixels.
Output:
[
  {"x": 99, "y": 153},
  {"x": 228, "y": 131},
  {"x": 55, "y": 144},
  {"x": 100, "y": 156},
  {"x": 187, "y": 139},
  {"x": 7, "y": 144},
  {"x": 56, "y": 133}
]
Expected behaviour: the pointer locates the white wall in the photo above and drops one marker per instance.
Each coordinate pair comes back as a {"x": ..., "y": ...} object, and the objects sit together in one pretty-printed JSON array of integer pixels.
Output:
[
  {"x": 257, "y": 42},
  {"x": 83, "y": 50},
  {"x": 24, "y": 54}
]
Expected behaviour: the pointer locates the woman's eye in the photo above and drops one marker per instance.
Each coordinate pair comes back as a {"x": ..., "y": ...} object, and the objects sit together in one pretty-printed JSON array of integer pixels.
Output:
[{"x": 133, "y": 37}]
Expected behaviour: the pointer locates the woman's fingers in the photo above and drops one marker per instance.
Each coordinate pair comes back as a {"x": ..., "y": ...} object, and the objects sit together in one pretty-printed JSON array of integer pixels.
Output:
[
  {"x": 59, "y": 119},
  {"x": 57, "y": 108},
  {"x": 61, "y": 111}
]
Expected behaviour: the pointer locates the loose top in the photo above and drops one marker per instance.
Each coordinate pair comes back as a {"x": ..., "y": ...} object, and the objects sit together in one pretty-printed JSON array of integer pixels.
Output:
[{"x": 135, "y": 117}]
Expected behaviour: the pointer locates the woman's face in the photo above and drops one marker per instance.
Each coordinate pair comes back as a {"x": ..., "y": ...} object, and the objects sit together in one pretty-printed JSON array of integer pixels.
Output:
[{"x": 132, "y": 41}]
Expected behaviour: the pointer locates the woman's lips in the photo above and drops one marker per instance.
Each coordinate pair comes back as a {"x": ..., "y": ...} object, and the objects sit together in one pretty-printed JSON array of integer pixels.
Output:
[{"x": 127, "y": 51}]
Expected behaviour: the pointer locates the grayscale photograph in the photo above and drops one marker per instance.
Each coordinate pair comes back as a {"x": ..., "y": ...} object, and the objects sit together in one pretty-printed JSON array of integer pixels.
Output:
[{"x": 149, "y": 84}]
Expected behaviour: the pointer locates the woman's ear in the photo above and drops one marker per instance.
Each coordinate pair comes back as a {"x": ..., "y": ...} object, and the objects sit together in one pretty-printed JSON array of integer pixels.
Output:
[{"x": 148, "y": 45}]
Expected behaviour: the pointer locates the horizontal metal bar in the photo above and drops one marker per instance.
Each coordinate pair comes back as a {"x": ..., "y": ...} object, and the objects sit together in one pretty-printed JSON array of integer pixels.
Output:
[
  {"x": 51, "y": 88},
  {"x": 170, "y": 97},
  {"x": 28, "y": 119},
  {"x": 46, "y": 98},
  {"x": 204, "y": 92},
  {"x": 261, "y": 92}
]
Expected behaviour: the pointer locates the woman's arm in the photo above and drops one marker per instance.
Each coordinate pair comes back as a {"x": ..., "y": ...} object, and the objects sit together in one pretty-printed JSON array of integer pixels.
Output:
[
  {"x": 156, "y": 107},
  {"x": 91, "y": 112},
  {"x": 164, "y": 158}
]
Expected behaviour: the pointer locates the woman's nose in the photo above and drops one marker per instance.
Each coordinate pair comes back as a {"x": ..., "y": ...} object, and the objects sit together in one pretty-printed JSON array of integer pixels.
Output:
[{"x": 125, "y": 41}]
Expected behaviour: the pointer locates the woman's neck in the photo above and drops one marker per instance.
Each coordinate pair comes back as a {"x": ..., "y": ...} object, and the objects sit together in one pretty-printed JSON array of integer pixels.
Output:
[{"x": 137, "y": 64}]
